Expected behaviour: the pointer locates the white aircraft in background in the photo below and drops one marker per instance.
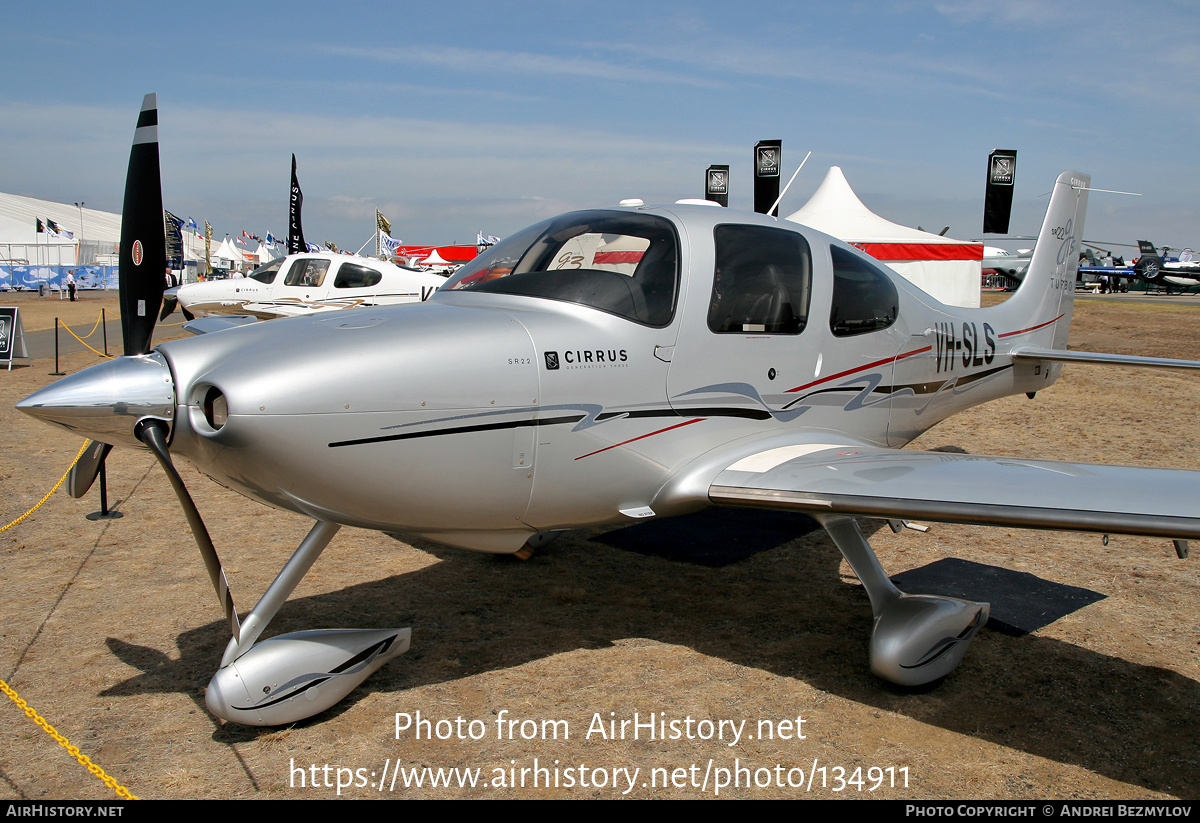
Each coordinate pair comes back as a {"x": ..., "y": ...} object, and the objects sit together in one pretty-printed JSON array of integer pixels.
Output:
[
  {"x": 302, "y": 284},
  {"x": 1011, "y": 264}
]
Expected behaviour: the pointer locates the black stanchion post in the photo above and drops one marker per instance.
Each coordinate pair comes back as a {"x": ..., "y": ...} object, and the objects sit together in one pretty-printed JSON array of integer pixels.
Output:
[
  {"x": 103, "y": 492},
  {"x": 104, "y": 513},
  {"x": 104, "y": 325},
  {"x": 57, "y": 372}
]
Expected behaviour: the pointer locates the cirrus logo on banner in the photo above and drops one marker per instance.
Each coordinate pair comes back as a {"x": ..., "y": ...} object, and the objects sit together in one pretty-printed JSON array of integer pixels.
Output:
[
  {"x": 1003, "y": 170},
  {"x": 768, "y": 161}
]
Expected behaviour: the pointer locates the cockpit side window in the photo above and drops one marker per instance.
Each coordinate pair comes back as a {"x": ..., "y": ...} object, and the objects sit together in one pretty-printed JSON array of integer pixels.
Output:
[
  {"x": 308, "y": 273},
  {"x": 266, "y": 274},
  {"x": 762, "y": 281},
  {"x": 623, "y": 263},
  {"x": 864, "y": 297},
  {"x": 352, "y": 276}
]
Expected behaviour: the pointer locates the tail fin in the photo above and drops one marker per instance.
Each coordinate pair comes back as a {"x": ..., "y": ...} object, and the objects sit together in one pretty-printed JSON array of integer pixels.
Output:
[
  {"x": 1043, "y": 303},
  {"x": 1150, "y": 264}
]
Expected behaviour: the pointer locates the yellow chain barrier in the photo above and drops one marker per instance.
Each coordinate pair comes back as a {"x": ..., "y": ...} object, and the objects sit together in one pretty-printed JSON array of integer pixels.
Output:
[
  {"x": 61, "y": 480},
  {"x": 83, "y": 759},
  {"x": 81, "y": 340},
  {"x": 29, "y": 712},
  {"x": 99, "y": 317}
]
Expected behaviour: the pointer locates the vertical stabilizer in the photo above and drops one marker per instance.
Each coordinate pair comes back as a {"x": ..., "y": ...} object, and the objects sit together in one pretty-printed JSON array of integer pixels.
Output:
[{"x": 1043, "y": 303}]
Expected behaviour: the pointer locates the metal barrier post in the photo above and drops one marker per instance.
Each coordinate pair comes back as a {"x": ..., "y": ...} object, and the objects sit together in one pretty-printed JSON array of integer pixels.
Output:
[{"x": 57, "y": 372}]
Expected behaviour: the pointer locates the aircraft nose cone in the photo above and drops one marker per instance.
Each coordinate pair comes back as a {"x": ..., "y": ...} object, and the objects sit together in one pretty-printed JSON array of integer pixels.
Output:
[{"x": 106, "y": 401}]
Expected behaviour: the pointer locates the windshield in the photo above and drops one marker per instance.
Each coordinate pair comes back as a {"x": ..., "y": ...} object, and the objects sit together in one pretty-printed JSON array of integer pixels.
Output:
[
  {"x": 266, "y": 274},
  {"x": 623, "y": 263}
]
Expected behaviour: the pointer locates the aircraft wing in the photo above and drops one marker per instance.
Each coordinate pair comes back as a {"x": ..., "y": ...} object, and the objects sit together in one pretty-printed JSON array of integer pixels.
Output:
[
  {"x": 272, "y": 310},
  {"x": 960, "y": 488},
  {"x": 217, "y": 322}
]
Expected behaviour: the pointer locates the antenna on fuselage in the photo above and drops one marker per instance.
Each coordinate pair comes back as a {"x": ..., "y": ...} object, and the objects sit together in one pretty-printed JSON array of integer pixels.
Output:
[{"x": 779, "y": 199}]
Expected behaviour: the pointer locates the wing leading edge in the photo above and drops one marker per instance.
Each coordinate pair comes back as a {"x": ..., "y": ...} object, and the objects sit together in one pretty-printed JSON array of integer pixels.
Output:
[{"x": 960, "y": 488}]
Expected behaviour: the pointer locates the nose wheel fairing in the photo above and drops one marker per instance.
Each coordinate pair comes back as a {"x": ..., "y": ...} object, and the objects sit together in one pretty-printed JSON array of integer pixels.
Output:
[{"x": 294, "y": 676}]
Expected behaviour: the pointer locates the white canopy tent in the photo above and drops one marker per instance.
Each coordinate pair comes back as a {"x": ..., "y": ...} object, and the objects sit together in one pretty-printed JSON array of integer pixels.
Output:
[
  {"x": 265, "y": 254},
  {"x": 435, "y": 259},
  {"x": 99, "y": 231},
  {"x": 21, "y": 242},
  {"x": 227, "y": 253},
  {"x": 945, "y": 268}
]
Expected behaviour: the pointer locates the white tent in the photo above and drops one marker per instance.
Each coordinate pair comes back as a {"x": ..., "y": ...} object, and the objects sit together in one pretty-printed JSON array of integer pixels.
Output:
[
  {"x": 99, "y": 230},
  {"x": 264, "y": 254},
  {"x": 20, "y": 241},
  {"x": 227, "y": 251},
  {"x": 945, "y": 268}
]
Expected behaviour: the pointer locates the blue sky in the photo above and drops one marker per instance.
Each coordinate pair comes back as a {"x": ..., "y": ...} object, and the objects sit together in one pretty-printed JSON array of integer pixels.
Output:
[{"x": 484, "y": 116}]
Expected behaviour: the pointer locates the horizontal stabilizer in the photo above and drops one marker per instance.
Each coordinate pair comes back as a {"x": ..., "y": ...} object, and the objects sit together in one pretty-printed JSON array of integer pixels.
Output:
[{"x": 1098, "y": 358}]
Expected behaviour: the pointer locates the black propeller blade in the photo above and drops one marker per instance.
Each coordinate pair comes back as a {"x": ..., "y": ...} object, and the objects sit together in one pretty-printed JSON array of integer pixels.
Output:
[
  {"x": 143, "y": 254},
  {"x": 169, "y": 304},
  {"x": 83, "y": 473},
  {"x": 142, "y": 264},
  {"x": 154, "y": 434}
]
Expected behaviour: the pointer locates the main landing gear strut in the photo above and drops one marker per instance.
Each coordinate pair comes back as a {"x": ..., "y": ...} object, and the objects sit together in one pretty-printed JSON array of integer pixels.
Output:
[{"x": 917, "y": 638}]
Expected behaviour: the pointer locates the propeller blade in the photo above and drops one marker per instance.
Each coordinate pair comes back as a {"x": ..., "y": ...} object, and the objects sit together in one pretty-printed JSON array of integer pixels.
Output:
[
  {"x": 83, "y": 474},
  {"x": 170, "y": 303},
  {"x": 142, "y": 264},
  {"x": 143, "y": 254},
  {"x": 154, "y": 434}
]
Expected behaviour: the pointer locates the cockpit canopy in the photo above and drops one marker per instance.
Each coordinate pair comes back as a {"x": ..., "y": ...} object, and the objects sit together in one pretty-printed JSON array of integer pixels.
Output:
[{"x": 624, "y": 263}]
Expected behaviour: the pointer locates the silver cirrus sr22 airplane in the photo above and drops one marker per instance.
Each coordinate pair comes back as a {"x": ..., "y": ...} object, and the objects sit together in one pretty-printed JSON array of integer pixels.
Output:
[{"x": 603, "y": 367}]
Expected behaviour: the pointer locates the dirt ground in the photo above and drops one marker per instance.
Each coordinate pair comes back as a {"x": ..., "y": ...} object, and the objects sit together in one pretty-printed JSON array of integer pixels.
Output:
[
  {"x": 111, "y": 632},
  {"x": 38, "y": 313}
]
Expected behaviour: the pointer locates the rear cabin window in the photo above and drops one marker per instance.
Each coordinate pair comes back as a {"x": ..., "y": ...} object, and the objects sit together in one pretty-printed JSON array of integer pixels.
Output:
[
  {"x": 864, "y": 297},
  {"x": 307, "y": 273},
  {"x": 266, "y": 274},
  {"x": 622, "y": 263},
  {"x": 762, "y": 281},
  {"x": 352, "y": 276}
]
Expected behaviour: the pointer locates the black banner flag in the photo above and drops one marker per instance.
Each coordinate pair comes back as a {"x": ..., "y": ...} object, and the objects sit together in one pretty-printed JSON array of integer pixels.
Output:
[
  {"x": 997, "y": 202},
  {"x": 174, "y": 227},
  {"x": 768, "y": 157},
  {"x": 716, "y": 184},
  {"x": 295, "y": 243}
]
